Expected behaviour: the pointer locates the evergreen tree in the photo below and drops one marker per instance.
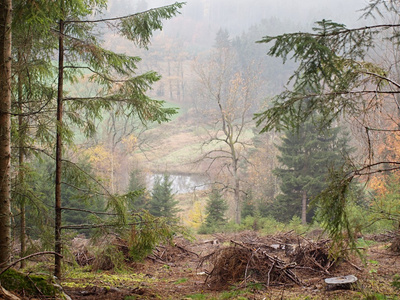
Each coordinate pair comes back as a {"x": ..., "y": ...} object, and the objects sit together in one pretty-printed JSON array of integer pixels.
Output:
[
  {"x": 215, "y": 209},
  {"x": 5, "y": 134},
  {"x": 137, "y": 189},
  {"x": 33, "y": 72},
  {"x": 307, "y": 153},
  {"x": 162, "y": 203},
  {"x": 342, "y": 79},
  {"x": 79, "y": 49},
  {"x": 222, "y": 39},
  {"x": 249, "y": 207},
  {"x": 69, "y": 30}
]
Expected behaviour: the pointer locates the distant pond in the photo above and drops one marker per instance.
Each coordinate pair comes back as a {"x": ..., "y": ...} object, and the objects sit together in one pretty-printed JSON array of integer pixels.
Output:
[{"x": 182, "y": 183}]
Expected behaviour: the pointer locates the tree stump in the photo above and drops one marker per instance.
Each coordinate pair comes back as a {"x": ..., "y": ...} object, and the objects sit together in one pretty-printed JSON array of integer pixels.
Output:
[{"x": 340, "y": 283}]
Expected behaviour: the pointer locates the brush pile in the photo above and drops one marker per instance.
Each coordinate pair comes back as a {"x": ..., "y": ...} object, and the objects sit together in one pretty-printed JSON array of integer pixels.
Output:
[
  {"x": 80, "y": 249},
  {"x": 171, "y": 254},
  {"x": 314, "y": 256},
  {"x": 272, "y": 261},
  {"x": 244, "y": 263}
]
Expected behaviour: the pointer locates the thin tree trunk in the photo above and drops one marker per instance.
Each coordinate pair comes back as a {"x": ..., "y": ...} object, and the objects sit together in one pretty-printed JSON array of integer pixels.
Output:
[
  {"x": 5, "y": 131},
  {"x": 236, "y": 190},
  {"x": 57, "y": 237},
  {"x": 21, "y": 156},
  {"x": 237, "y": 200},
  {"x": 304, "y": 208}
]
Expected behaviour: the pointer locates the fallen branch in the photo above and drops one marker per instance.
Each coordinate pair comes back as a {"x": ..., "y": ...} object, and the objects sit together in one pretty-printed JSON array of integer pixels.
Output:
[
  {"x": 185, "y": 250},
  {"x": 4, "y": 294},
  {"x": 29, "y": 256}
]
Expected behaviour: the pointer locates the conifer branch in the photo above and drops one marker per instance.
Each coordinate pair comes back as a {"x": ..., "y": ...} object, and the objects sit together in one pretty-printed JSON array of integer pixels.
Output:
[{"x": 176, "y": 4}]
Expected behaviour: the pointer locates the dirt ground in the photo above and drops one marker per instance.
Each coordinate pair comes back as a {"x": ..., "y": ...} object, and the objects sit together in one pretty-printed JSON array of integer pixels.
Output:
[{"x": 176, "y": 272}]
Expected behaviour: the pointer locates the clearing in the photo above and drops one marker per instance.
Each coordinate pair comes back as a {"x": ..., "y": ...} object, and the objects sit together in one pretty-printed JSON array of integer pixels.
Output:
[{"x": 243, "y": 266}]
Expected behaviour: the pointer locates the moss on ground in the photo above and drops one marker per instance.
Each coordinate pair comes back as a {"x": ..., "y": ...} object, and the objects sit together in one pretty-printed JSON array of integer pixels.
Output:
[{"x": 28, "y": 284}]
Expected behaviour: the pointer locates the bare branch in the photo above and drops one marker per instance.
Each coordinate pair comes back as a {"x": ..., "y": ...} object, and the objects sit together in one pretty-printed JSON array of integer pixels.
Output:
[{"x": 27, "y": 257}]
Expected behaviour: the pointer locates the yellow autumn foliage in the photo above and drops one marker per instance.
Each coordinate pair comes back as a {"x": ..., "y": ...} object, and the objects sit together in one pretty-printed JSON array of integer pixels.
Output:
[{"x": 195, "y": 216}]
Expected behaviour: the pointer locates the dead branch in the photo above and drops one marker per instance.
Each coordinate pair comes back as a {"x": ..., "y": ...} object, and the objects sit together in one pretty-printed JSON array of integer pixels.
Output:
[
  {"x": 29, "y": 256},
  {"x": 4, "y": 294}
]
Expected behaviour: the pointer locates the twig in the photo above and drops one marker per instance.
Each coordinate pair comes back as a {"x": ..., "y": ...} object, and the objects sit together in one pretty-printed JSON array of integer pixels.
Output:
[
  {"x": 269, "y": 273},
  {"x": 355, "y": 266},
  {"x": 34, "y": 284},
  {"x": 185, "y": 250},
  {"x": 247, "y": 266},
  {"x": 388, "y": 254}
]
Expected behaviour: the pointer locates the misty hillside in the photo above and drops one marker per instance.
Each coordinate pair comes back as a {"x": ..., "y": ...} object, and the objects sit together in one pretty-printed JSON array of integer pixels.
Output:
[
  {"x": 188, "y": 38},
  {"x": 212, "y": 149}
]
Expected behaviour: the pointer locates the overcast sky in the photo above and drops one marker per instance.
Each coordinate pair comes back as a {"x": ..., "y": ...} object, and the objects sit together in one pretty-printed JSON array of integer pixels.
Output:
[
  {"x": 248, "y": 12},
  {"x": 244, "y": 13},
  {"x": 200, "y": 20}
]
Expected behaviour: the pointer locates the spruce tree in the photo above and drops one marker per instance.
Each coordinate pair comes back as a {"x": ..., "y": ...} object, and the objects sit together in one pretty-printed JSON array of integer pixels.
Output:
[
  {"x": 342, "y": 79},
  {"x": 307, "y": 153},
  {"x": 162, "y": 203},
  {"x": 72, "y": 35},
  {"x": 137, "y": 191},
  {"x": 5, "y": 134},
  {"x": 215, "y": 209},
  {"x": 249, "y": 207}
]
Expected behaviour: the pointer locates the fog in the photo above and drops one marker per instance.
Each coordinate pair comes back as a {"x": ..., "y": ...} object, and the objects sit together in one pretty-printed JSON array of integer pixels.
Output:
[
  {"x": 174, "y": 50},
  {"x": 238, "y": 15}
]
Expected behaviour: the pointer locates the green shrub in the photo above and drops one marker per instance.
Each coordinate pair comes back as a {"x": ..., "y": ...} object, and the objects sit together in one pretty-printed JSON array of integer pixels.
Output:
[
  {"x": 269, "y": 225},
  {"x": 396, "y": 282},
  {"x": 296, "y": 225},
  {"x": 207, "y": 229},
  {"x": 231, "y": 226}
]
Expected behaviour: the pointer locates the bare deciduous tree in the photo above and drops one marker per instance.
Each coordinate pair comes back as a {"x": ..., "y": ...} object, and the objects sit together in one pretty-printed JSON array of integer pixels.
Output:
[{"x": 226, "y": 98}]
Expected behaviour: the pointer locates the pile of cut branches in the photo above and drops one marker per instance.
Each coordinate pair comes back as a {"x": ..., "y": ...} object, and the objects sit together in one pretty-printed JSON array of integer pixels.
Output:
[
  {"x": 170, "y": 254},
  {"x": 80, "y": 249},
  {"x": 241, "y": 262},
  {"x": 314, "y": 256}
]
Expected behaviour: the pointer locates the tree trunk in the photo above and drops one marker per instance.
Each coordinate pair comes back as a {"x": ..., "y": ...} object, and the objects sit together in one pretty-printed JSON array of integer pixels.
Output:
[
  {"x": 57, "y": 236},
  {"x": 304, "y": 208},
  {"x": 236, "y": 189},
  {"x": 5, "y": 131},
  {"x": 21, "y": 158},
  {"x": 237, "y": 200}
]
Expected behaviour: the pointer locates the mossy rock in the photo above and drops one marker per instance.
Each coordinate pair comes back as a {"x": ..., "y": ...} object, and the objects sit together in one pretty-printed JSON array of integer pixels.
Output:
[{"x": 32, "y": 285}]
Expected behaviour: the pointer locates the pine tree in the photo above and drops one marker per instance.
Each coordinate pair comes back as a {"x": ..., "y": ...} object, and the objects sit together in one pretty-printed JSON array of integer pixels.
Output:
[
  {"x": 222, "y": 39},
  {"x": 307, "y": 153},
  {"x": 162, "y": 203}
]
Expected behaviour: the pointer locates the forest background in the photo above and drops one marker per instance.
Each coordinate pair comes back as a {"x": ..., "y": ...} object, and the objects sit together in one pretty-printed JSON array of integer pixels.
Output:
[{"x": 217, "y": 77}]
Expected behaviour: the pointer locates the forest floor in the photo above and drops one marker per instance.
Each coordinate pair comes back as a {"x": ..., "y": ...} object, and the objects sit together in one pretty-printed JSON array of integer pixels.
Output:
[{"x": 176, "y": 272}]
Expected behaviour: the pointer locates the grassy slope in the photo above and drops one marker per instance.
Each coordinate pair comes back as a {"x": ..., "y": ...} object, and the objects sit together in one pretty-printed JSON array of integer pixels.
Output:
[{"x": 177, "y": 145}]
